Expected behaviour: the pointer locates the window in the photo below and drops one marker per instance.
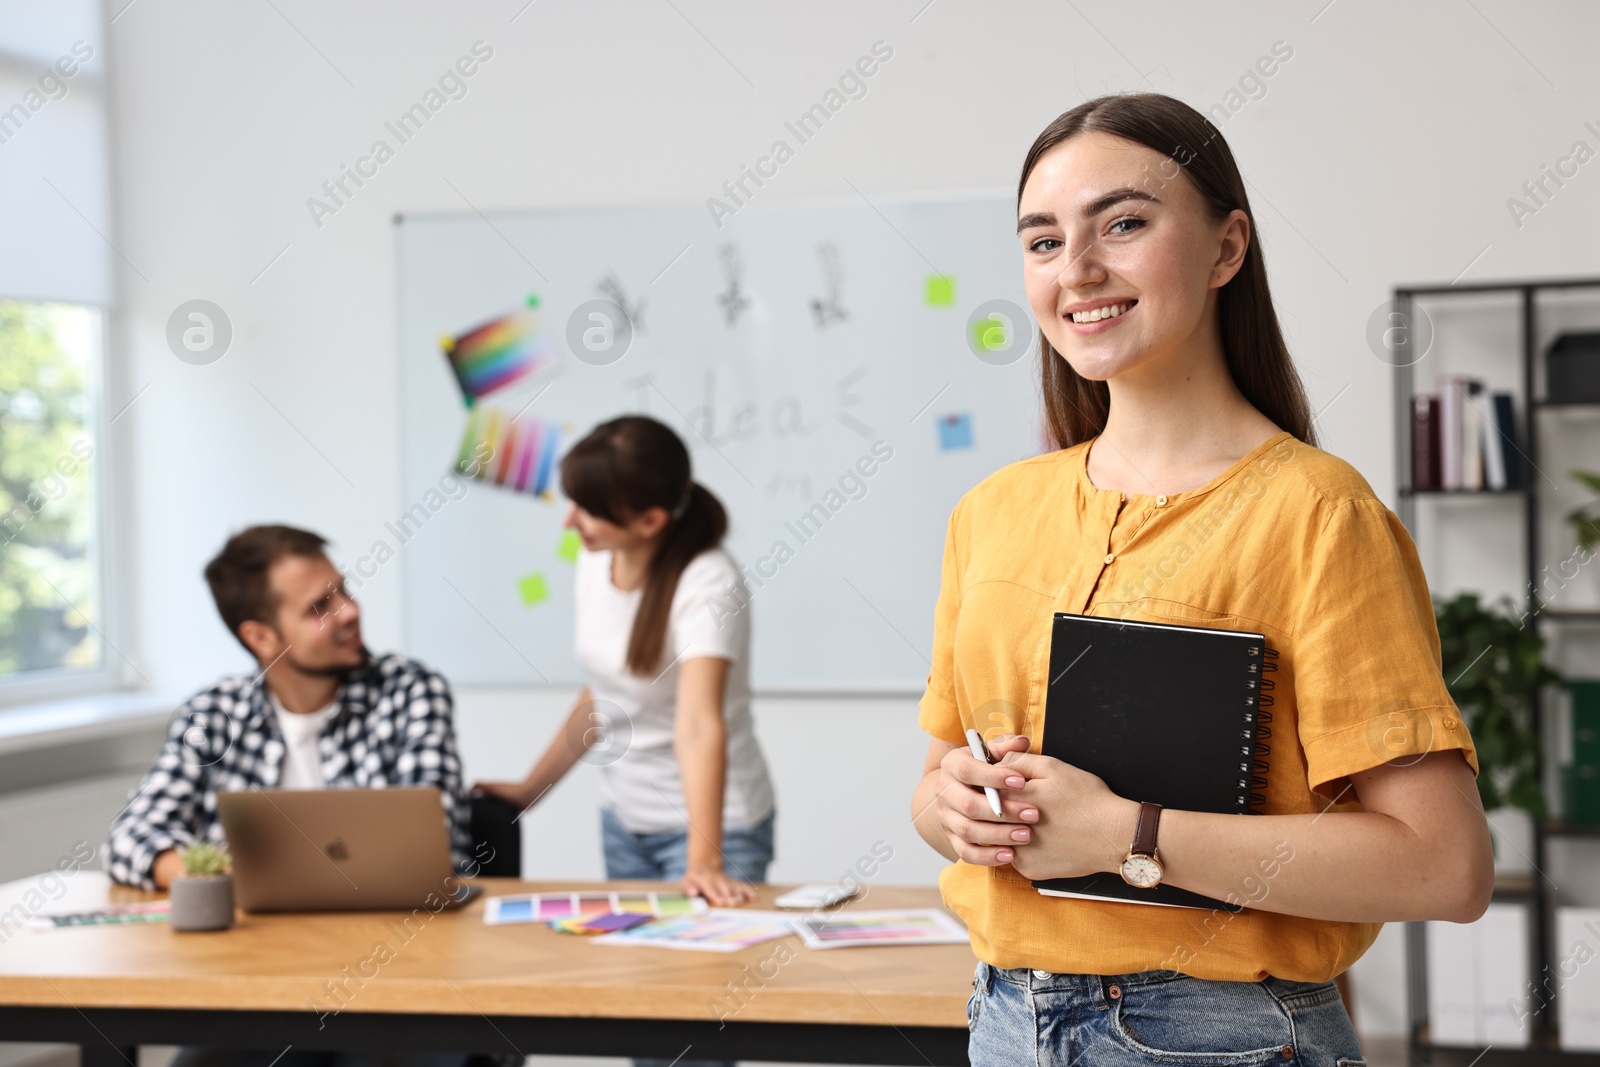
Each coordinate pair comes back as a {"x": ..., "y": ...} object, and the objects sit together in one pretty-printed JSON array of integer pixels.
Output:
[
  {"x": 57, "y": 278},
  {"x": 50, "y": 589}
]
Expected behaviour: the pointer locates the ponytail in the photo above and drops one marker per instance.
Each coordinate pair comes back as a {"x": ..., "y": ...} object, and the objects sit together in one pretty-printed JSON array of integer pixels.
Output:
[{"x": 702, "y": 525}]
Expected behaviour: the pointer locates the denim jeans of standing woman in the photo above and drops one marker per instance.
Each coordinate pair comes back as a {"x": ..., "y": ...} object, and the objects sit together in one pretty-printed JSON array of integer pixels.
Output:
[
  {"x": 1023, "y": 1016},
  {"x": 664, "y": 856}
]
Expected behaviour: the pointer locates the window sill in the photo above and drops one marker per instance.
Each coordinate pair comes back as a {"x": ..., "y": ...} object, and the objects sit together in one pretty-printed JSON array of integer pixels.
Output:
[{"x": 49, "y": 724}]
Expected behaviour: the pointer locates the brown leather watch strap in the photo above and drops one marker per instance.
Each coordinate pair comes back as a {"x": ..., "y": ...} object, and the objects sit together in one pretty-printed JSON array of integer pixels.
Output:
[{"x": 1144, "y": 834}]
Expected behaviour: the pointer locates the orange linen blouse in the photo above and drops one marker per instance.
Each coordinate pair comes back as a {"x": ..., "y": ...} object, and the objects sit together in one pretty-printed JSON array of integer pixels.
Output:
[{"x": 1289, "y": 542}]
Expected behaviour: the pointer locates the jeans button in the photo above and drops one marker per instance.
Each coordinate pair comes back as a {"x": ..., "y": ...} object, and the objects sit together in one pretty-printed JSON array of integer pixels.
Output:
[
  {"x": 1114, "y": 992},
  {"x": 1041, "y": 975}
]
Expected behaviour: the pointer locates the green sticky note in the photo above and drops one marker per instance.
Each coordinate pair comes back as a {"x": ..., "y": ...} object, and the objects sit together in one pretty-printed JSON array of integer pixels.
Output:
[
  {"x": 533, "y": 589},
  {"x": 567, "y": 547},
  {"x": 941, "y": 291},
  {"x": 991, "y": 333}
]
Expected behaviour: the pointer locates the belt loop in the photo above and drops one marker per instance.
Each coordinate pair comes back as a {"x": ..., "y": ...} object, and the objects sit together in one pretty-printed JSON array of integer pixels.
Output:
[{"x": 988, "y": 979}]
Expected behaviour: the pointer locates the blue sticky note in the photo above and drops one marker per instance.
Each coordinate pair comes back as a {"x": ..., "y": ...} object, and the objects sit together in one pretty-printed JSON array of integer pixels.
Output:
[{"x": 955, "y": 430}]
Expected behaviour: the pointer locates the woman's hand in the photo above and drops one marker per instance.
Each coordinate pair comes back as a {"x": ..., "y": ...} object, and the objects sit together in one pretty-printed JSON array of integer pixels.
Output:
[
  {"x": 717, "y": 887},
  {"x": 517, "y": 794},
  {"x": 976, "y": 833},
  {"x": 1082, "y": 826}
]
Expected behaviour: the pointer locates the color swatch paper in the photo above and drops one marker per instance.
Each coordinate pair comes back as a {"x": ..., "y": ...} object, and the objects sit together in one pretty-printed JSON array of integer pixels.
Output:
[
  {"x": 940, "y": 291},
  {"x": 609, "y": 922},
  {"x": 716, "y": 930},
  {"x": 491, "y": 356},
  {"x": 546, "y": 907},
  {"x": 520, "y": 453},
  {"x": 154, "y": 911},
  {"x": 915, "y": 926}
]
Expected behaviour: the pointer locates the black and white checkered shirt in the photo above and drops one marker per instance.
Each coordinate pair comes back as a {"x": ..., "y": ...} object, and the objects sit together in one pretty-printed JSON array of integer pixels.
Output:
[{"x": 393, "y": 727}]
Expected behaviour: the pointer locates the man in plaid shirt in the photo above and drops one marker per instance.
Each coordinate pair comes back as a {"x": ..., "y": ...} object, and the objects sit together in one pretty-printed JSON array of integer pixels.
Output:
[{"x": 321, "y": 713}]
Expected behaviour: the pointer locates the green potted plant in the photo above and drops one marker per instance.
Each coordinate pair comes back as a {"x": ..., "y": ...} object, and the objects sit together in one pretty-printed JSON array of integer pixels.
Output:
[
  {"x": 1495, "y": 671},
  {"x": 1494, "y": 668},
  {"x": 202, "y": 896},
  {"x": 1585, "y": 520}
]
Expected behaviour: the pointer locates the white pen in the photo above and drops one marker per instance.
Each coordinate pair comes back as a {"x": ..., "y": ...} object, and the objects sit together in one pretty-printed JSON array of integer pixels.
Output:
[{"x": 975, "y": 743}]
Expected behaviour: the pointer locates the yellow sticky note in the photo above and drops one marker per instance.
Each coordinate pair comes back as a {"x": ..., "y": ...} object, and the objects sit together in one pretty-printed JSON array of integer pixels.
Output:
[
  {"x": 567, "y": 547},
  {"x": 533, "y": 589},
  {"x": 941, "y": 291}
]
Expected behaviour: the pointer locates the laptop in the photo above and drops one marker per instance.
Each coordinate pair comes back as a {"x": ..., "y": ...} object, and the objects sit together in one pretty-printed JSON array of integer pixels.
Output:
[{"x": 340, "y": 849}]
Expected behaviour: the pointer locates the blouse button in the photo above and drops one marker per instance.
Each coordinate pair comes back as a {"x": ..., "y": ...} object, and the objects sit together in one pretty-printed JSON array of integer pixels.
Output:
[
  {"x": 1449, "y": 724},
  {"x": 1161, "y": 501},
  {"x": 1110, "y": 556}
]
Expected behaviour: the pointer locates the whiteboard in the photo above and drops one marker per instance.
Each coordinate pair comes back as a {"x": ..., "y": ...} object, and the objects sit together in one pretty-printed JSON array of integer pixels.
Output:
[{"x": 792, "y": 347}]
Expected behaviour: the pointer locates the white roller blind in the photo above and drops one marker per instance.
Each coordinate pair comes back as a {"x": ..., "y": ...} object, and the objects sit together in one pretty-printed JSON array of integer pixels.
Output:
[{"x": 55, "y": 223}]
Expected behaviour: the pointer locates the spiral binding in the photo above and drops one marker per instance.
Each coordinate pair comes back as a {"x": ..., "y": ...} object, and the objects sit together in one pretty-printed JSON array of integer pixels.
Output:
[{"x": 1255, "y": 750}]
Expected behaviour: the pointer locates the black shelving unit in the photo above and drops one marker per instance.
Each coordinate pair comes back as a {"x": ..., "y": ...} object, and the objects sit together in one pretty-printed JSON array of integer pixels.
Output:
[{"x": 1534, "y": 890}]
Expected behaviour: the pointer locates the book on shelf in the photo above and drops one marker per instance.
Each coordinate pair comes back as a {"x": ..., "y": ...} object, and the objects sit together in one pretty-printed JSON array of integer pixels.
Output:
[
  {"x": 1465, "y": 438},
  {"x": 1581, "y": 805},
  {"x": 1424, "y": 441},
  {"x": 1504, "y": 441},
  {"x": 1450, "y": 401},
  {"x": 1471, "y": 434}
]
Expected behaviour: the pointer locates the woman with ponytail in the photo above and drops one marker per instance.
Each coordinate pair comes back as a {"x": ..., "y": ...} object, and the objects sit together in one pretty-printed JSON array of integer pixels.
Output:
[{"x": 666, "y": 649}]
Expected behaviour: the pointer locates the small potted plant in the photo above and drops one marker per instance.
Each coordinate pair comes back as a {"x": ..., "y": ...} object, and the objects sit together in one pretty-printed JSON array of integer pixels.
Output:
[{"x": 202, "y": 896}]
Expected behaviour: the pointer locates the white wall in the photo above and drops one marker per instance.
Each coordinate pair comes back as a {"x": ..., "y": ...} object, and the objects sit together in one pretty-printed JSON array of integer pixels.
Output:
[{"x": 1383, "y": 152}]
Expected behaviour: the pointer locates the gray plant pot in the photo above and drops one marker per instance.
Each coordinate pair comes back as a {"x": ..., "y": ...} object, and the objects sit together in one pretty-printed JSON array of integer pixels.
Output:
[{"x": 201, "y": 903}]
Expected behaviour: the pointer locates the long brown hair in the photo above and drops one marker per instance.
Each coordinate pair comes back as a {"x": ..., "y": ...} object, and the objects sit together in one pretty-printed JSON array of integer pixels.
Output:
[
  {"x": 616, "y": 473},
  {"x": 1075, "y": 407}
]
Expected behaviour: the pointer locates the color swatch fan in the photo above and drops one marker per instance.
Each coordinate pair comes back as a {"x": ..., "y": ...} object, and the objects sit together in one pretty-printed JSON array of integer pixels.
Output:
[{"x": 508, "y": 349}]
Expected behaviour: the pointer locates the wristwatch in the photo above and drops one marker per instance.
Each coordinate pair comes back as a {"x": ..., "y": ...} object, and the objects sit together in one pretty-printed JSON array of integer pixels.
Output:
[{"x": 1142, "y": 868}]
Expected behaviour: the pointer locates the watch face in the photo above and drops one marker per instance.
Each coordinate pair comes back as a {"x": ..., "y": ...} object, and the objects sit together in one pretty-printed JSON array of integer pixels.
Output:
[{"x": 1142, "y": 872}]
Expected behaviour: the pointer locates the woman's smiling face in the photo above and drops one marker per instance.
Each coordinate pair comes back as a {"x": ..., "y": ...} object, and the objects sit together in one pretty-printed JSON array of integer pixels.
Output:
[{"x": 1108, "y": 224}]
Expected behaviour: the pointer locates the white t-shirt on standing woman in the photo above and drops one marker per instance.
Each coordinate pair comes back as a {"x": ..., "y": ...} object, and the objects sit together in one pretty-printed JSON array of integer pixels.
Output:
[{"x": 644, "y": 787}]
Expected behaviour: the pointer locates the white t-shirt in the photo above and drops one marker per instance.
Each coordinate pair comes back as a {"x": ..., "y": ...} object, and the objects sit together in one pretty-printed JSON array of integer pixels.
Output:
[
  {"x": 644, "y": 788},
  {"x": 302, "y": 762}
]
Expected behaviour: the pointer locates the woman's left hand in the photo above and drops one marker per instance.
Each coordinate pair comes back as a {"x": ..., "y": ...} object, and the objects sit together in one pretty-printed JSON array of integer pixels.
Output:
[
  {"x": 717, "y": 887},
  {"x": 1084, "y": 828}
]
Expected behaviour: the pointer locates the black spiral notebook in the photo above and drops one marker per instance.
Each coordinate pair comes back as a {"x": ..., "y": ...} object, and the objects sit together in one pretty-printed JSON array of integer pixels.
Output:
[{"x": 1176, "y": 715}]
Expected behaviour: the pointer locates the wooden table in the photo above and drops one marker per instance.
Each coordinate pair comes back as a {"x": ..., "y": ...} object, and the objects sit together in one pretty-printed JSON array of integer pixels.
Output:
[{"x": 448, "y": 982}]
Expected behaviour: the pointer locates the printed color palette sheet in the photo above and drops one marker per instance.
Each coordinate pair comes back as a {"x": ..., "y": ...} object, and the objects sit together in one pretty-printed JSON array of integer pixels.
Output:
[
  {"x": 716, "y": 930},
  {"x": 546, "y": 907},
  {"x": 916, "y": 926}
]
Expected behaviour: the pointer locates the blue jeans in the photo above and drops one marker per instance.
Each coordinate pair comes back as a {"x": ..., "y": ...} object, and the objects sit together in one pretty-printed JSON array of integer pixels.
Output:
[
  {"x": 1031, "y": 1017},
  {"x": 664, "y": 856}
]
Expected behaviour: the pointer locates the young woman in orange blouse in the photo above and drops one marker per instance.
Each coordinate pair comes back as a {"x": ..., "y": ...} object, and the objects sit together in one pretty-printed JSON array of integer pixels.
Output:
[{"x": 1188, "y": 489}]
